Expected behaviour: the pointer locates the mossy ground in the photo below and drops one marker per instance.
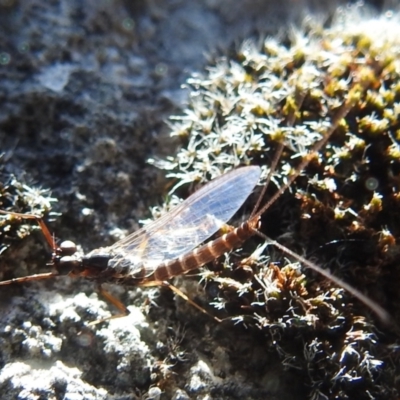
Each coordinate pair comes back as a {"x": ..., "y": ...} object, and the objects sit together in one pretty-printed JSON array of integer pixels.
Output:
[
  {"x": 342, "y": 212},
  {"x": 87, "y": 136}
]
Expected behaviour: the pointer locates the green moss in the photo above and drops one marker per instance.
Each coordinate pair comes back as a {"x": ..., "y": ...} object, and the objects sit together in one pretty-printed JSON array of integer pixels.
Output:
[{"x": 239, "y": 112}]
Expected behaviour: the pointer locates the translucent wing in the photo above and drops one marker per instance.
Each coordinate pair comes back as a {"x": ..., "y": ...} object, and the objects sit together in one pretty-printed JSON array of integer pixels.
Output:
[{"x": 190, "y": 223}]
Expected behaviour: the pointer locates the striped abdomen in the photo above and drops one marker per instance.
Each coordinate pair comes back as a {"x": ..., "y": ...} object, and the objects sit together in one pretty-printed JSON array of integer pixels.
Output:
[{"x": 206, "y": 253}]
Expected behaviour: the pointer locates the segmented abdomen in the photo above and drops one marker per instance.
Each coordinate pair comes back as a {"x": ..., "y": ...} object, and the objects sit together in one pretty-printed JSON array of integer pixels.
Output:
[{"x": 204, "y": 254}]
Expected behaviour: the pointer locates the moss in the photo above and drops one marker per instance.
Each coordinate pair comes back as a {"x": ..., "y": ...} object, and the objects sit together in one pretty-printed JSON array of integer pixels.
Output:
[
  {"x": 20, "y": 197},
  {"x": 342, "y": 211}
]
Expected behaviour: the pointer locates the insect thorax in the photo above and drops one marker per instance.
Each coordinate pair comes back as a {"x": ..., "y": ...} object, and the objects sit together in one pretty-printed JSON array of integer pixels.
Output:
[{"x": 112, "y": 265}]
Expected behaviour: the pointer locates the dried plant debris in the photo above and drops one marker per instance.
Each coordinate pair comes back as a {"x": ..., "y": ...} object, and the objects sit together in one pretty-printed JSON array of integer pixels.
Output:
[{"x": 342, "y": 212}]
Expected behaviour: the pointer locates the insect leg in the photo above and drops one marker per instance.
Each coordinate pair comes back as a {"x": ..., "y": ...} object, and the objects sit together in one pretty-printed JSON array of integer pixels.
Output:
[
  {"x": 48, "y": 236},
  {"x": 189, "y": 300},
  {"x": 115, "y": 302},
  {"x": 36, "y": 277}
]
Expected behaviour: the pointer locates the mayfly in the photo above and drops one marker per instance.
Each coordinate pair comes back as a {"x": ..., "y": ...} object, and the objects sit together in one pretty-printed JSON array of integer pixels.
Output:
[{"x": 167, "y": 247}]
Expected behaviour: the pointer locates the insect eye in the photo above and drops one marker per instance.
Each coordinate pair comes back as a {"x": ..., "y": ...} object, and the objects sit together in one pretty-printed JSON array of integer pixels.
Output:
[
  {"x": 67, "y": 264},
  {"x": 68, "y": 248}
]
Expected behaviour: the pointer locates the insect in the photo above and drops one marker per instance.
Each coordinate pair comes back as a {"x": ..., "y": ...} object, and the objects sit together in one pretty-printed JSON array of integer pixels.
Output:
[
  {"x": 163, "y": 249},
  {"x": 167, "y": 247}
]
